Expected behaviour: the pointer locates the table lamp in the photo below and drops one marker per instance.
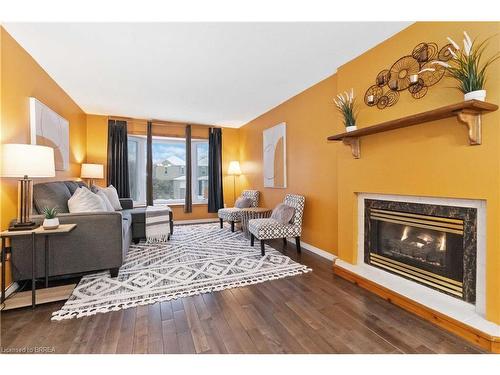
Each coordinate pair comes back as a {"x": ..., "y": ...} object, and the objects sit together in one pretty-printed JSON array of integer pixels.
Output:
[
  {"x": 92, "y": 171},
  {"x": 234, "y": 170},
  {"x": 26, "y": 161}
]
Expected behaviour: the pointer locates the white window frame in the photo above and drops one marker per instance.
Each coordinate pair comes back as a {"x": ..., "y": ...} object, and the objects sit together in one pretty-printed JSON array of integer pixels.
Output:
[
  {"x": 141, "y": 169},
  {"x": 194, "y": 170}
]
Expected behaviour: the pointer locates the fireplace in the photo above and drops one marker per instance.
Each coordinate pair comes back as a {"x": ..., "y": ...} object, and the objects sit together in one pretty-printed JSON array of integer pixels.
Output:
[{"x": 433, "y": 245}]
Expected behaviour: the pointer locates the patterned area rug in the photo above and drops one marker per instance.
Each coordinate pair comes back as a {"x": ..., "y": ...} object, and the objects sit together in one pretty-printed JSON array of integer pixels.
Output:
[{"x": 197, "y": 259}]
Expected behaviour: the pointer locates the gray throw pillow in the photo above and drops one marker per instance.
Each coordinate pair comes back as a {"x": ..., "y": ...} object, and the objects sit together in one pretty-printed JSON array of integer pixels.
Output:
[
  {"x": 283, "y": 213},
  {"x": 243, "y": 202},
  {"x": 94, "y": 189}
]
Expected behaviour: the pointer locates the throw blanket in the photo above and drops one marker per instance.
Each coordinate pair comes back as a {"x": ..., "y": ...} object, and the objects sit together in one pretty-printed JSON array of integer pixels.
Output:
[{"x": 157, "y": 224}]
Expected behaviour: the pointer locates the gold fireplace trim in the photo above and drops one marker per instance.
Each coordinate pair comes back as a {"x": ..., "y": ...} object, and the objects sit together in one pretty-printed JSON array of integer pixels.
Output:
[
  {"x": 407, "y": 214},
  {"x": 420, "y": 221},
  {"x": 429, "y": 278}
]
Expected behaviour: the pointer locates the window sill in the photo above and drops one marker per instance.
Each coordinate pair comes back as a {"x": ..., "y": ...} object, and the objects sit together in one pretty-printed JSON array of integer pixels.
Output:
[{"x": 177, "y": 204}]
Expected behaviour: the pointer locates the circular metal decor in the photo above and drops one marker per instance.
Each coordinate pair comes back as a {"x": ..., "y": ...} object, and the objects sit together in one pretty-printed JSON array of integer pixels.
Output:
[
  {"x": 376, "y": 91},
  {"x": 393, "y": 97},
  {"x": 382, "y": 102},
  {"x": 419, "y": 92},
  {"x": 401, "y": 71},
  {"x": 432, "y": 77},
  {"x": 445, "y": 54},
  {"x": 422, "y": 66},
  {"x": 383, "y": 78},
  {"x": 424, "y": 52}
]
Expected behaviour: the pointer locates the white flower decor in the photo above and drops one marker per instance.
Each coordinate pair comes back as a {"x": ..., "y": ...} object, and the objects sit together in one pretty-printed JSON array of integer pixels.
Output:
[
  {"x": 468, "y": 66},
  {"x": 346, "y": 106}
]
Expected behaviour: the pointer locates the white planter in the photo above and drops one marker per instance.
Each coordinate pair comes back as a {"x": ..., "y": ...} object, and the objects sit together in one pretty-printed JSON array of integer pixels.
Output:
[
  {"x": 476, "y": 95},
  {"x": 51, "y": 223},
  {"x": 351, "y": 128}
]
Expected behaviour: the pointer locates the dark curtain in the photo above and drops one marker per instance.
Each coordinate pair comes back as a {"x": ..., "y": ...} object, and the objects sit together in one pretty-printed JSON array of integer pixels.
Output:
[
  {"x": 188, "y": 203},
  {"x": 117, "y": 174},
  {"x": 215, "y": 194},
  {"x": 149, "y": 164}
]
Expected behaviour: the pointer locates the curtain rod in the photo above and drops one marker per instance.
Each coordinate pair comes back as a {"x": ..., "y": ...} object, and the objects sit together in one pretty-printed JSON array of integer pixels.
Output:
[{"x": 162, "y": 122}]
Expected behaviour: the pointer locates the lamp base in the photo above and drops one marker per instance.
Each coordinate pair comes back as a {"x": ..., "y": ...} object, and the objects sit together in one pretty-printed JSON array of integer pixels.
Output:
[{"x": 23, "y": 226}]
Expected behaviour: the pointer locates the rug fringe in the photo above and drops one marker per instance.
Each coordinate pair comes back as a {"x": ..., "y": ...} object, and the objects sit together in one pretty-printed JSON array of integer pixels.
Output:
[
  {"x": 62, "y": 315},
  {"x": 157, "y": 239}
]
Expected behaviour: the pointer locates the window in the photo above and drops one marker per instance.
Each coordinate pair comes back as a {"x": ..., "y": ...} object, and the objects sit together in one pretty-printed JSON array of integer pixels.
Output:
[
  {"x": 169, "y": 177},
  {"x": 200, "y": 170},
  {"x": 169, "y": 169},
  {"x": 137, "y": 168}
]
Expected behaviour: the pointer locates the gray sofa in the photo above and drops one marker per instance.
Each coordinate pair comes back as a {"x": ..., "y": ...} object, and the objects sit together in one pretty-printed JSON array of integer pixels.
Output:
[{"x": 99, "y": 242}]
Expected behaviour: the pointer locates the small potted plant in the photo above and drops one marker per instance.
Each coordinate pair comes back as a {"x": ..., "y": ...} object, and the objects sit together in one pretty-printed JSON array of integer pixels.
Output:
[
  {"x": 51, "y": 221},
  {"x": 347, "y": 107},
  {"x": 468, "y": 67}
]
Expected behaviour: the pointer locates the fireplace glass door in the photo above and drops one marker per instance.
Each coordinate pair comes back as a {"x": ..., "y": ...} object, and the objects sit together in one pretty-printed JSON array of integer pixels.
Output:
[{"x": 427, "y": 249}]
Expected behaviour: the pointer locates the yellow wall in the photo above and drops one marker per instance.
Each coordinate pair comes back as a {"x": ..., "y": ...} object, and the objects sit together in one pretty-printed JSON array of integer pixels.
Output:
[
  {"x": 97, "y": 141},
  {"x": 311, "y": 161},
  {"x": 432, "y": 159},
  {"x": 22, "y": 77}
]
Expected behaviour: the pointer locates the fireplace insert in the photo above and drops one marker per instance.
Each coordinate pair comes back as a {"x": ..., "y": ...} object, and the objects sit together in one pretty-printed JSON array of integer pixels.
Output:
[{"x": 428, "y": 244}]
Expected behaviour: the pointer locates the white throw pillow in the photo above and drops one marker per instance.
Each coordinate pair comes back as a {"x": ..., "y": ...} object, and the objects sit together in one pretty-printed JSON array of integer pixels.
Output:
[
  {"x": 101, "y": 194},
  {"x": 113, "y": 198},
  {"x": 83, "y": 200}
]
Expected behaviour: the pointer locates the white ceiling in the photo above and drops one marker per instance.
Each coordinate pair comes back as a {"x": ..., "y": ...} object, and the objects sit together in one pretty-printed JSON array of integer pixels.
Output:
[{"x": 212, "y": 73}]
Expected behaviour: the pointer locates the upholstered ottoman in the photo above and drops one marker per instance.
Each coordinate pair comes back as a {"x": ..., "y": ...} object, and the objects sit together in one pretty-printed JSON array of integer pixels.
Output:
[{"x": 138, "y": 215}]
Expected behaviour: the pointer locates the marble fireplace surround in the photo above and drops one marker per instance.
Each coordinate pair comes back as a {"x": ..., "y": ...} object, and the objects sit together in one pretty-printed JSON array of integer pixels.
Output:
[
  {"x": 467, "y": 214},
  {"x": 470, "y": 314}
]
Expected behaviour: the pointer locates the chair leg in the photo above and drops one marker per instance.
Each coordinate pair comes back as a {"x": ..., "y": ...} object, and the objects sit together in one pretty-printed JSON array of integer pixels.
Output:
[
  {"x": 232, "y": 226},
  {"x": 297, "y": 244},
  {"x": 284, "y": 243},
  {"x": 252, "y": 239},
  {"x": 114, "y": 272},
  {"x": 262, "y": 248},
  {"x": 221, "y": 223}
]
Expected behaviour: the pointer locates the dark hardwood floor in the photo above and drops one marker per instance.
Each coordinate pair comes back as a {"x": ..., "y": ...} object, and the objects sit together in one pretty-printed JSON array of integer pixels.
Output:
[{"x": 312, "y": 313}]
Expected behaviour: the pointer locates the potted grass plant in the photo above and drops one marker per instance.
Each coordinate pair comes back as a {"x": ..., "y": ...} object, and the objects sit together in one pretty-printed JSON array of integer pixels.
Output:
[
  {"x": 347, "y": 107},
  {"x": 468, "y": 66},
  {"x": 51, "y": 221}
]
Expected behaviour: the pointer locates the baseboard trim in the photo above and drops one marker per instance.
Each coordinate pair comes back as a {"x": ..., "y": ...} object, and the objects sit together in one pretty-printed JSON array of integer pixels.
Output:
[
  {"x": 471, "y": 334},
  {"x": 11, "y": 289},
  {"x": 313, "y": 249}
]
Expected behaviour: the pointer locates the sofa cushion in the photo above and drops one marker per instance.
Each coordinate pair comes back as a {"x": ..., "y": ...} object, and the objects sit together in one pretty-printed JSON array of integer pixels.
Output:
[
  {"x": 51, "y": 194},
  {"x": 112, "y": 195},
  {"x": 85, "y": 201},
  {"x": 105, "y": 199},
  {"x": 73, "y": 185}
]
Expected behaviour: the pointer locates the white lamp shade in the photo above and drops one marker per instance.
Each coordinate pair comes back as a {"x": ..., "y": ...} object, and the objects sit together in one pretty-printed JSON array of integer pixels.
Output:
[
  {"x": 19, "y": 160},
  {"x": 234, "y": 168},
  {"x": 92, "y": 171}
]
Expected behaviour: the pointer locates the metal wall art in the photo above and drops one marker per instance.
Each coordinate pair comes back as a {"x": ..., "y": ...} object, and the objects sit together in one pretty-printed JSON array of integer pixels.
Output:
[{"x": 415, "y": 73}]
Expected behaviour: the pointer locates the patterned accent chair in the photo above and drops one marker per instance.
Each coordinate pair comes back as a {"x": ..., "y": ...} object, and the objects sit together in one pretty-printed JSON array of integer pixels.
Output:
[
  {"x": 233, "y": 214},
  {"x": 267, "y": 229}
]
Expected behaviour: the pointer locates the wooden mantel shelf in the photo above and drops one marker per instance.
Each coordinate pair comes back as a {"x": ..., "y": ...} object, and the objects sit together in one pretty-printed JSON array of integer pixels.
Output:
[{"x": 468, "y": 113}]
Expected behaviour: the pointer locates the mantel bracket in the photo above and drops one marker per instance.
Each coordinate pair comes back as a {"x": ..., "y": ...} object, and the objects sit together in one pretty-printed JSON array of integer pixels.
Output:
[
  {"x": 354, "y": 143},
  {"x": 471, "y": 119}
]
